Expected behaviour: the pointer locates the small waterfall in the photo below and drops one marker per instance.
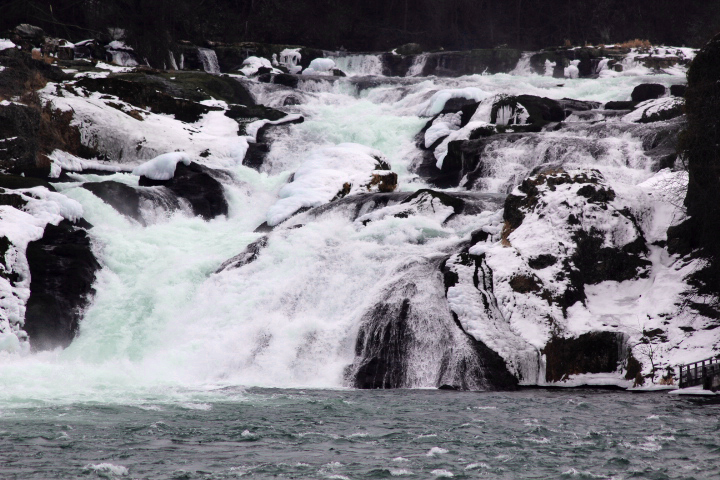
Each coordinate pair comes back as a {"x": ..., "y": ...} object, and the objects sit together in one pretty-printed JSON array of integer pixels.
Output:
[
  {"x": 523, "y": 66},
  {"x": 360, "y": 65},
  {"x": 123, "y": 58},
  {"x": 173, "y": 63},
  {"x": 209, "y": 60},
  {"x": 418, "y": 65},
  {"x": 602, "y": 65}
]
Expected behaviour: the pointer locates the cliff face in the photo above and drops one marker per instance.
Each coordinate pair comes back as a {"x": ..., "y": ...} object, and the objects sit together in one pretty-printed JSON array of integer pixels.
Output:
[{"x": 700, "y": 145}]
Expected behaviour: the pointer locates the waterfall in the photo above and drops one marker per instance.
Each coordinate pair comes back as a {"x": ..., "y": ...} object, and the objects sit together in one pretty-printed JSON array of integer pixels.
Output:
[
  {"x": 418, "y": 65},
  {"x": 523, "y": 66},
  {"x": 173, "y": 63},
  {"x": 209, "y": 60},
  {"x": 360, "y": 65},
  {"x": 123, "y": 58}
]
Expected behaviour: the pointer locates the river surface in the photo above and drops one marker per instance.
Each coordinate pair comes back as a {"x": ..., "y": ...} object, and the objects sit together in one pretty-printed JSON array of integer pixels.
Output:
[{"x": 346, "y": 434}]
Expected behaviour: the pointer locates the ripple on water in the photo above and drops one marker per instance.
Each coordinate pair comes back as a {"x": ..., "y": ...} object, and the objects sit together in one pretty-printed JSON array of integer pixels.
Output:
[
  {"x": 436, "y": 451},
  {"x": 442, "y": 473}
]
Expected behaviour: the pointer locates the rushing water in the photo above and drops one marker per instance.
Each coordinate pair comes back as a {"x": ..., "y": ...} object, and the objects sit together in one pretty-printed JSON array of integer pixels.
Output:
[
  {"x": 153, "y": 387},
  {"x": 335, "y": 434}
]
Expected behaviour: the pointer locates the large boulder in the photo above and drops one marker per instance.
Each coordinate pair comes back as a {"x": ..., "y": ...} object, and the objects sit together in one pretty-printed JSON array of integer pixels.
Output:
[
  {"x": 134, "y": 202},
  {"x": 199, "y": 186},
  {"x": 62, "y": 271},
  {"x": 528, "y": 110},
  {"x": 648, "y": 91},
  {"x": 409, "y": 338}
]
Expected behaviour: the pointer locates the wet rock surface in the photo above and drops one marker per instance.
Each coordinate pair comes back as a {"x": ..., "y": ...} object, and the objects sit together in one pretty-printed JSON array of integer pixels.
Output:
[
  {"x": 595, "y": 352},
  {"x": 62, "y": 269},
  {"x": 198, "y": 186}
]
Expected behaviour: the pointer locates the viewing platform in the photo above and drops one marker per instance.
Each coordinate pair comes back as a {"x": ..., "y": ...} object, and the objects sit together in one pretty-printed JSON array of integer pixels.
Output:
[{"x": 703, "y": 373}]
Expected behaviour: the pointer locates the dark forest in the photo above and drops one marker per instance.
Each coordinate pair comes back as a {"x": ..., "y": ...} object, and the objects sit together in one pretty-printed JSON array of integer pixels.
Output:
[{"x": 373, "y": 25}]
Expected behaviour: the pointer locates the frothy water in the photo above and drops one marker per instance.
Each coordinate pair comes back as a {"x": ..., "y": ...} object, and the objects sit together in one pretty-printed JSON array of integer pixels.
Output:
[{"x": 162, "y": 322}]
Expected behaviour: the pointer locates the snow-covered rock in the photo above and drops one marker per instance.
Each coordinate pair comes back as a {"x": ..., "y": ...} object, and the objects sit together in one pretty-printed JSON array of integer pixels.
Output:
[{"x": 329, "y": 173}]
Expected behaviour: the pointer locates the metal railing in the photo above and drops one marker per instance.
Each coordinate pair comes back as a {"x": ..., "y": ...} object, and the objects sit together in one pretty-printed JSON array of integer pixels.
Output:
[{"x": 698, "y": 373}]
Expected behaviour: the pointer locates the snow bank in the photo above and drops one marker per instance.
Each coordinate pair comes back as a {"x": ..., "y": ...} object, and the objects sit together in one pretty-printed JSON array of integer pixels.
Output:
[
  {"x": 290, "y": 58},
  {"x": 162, "y": 167},
  {"x": 320, "y": 66},
  {"x": 652, "y": 107},
  {"x": 323, "y": 175},
  {"x": 437, "y": 102},
  {"x": 251, "y": 65},
  {"x": 70, "y": 163},
  {"x": 5, "y": 44}
]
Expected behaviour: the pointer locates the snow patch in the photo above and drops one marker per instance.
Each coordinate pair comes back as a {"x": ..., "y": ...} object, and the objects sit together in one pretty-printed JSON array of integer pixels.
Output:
[{"x": 162, "y": 167}]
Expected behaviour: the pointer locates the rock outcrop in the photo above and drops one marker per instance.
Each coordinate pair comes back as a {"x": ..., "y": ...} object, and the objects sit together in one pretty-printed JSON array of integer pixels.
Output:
[
  {"x": 62, "y": 271},
  {"x": 198, "y": 186},
  {"x": 699, "y": 144}
]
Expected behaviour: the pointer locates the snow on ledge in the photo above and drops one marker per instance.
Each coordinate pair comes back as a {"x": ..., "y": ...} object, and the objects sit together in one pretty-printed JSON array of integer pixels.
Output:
[
  {"x": 437, "y": 102},
  {"x": 320, "y": 66},
  {"x": 70, "y": 163},
  {"x": 5, "y": 44},
  {"x": 162, "y": 167}
]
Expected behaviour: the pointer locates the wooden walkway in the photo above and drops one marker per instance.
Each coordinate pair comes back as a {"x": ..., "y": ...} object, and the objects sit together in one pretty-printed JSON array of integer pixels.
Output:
[{"x": 705, "y": 373}]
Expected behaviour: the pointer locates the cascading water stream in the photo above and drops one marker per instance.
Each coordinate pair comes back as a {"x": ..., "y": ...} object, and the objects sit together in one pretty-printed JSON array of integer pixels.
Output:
[
  {"x": 163, "y": 321},
  {"x": 209, "y": 60}
]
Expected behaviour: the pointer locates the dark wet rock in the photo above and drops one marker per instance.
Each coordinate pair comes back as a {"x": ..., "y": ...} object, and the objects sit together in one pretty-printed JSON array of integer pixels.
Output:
[
  {"x": 471, "y": 62},
  {"x": 249, "y": 255},
  {"x": 540, "y": 110},
  {"x": 62, "y": 272},
  {"x": 409, "y": 321},
  {"x": 678, "y": 90},
  {"x": 698, "y": 235},
  {"x": 199, "y": 186},
  {"x": 238, "y": 112},
  {"x": 123, "y": 198},
  {"x": 189, "y": 86},
  {"x": 257, "y": 151},
  {"x": 648, "y": 91},
  {"x": 409, "y": 49},
  {"x": 31, "y": 131},
  {"x": 285, "y": 79},
  {"x": 146, "y": 96},
  {"x": 131, "y": 201},
  {"x": 457, "y": 204},
  {"x": 594, "y": 352},
  {"x": 570, "y": 106},
  {"x": 23, "y": 73},
  {"x": 542, "y": 261},
  {"x": 12, "y": 200},
  {"x": 629, "y": 105},
  {"x": 396, "y": 65}
]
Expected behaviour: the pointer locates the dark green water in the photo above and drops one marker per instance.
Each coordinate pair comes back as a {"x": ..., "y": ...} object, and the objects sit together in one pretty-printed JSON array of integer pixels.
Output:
[{"x": 531, "y": 434}]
